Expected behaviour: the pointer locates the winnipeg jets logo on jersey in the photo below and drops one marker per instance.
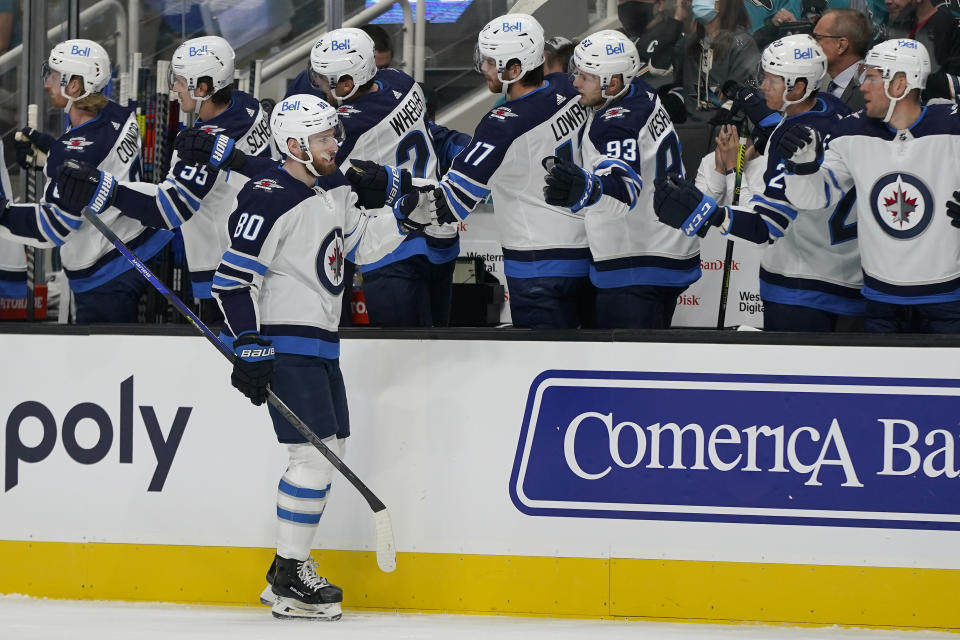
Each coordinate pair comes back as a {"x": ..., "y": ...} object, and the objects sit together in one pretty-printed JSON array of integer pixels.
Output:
[
  {"x": 502, "y": 113},
  {"x": 76, "y": 143},
  {"x": 330, "y": 262},
  {"x": 901, "y": 204},
  {"x": 347, "y": 110},
  {"x": 210, "y": 128},
  {"x": 267, "y": 184},
  {"x": 616, "y": 112}
]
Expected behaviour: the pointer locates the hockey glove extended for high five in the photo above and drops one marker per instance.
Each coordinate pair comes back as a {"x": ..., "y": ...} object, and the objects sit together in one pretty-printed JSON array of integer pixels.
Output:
[
  {"x": 801, "y": 150},
  {"x": 378, "y": 185},
  {"x": 953, "y": 209},
  {"x": 679, "y": 203},
  {"x": 253, "y": 366},
  {"x": 416, "y": 210},
  {"x": 32, "y": 147},
  {"x": 80, "y": 184},
  {"x": 569, "y": 186},
  {"x": 196, "y": 146}
]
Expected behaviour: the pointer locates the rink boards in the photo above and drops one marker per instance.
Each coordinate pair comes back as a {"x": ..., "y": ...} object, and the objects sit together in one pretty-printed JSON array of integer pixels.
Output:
[{"x": 742, "y": 482}]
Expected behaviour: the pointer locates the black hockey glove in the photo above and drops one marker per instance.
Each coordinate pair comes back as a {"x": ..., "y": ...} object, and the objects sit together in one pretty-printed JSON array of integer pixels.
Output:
[
  {"x": 253, "y": 366},
  {"x": 569, "y": 186},
  {"x": 80, "y": 184},
  {"x": 378, "y": 185},
  {"x": 953, "y": 209},
  {"x": 196, "y": 146},
  {"x": 445, "y": 214},
  {"x": 416, "y": 210},
  {"x": 752, "y": 103},
  {"x": 679, "y": 203},
  {"x": 801, "y": 150},
  {"x": 32, "y": 147}
]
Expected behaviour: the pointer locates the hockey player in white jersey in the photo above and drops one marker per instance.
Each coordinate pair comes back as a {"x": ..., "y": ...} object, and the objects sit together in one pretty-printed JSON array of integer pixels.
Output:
[
  {"x": 810, "y": 278},
  {"x": 105, "y": 135},
  {"x": 384, "y": 115},
  {"x": 199, "y": 197},
  {"x": 13, "y": 259},
  {"x": 902, "y": 159},
  {"x": 279, "y": 285},
  {"x": 639, "y": 266},
  {"x": 545, "y": 252}
]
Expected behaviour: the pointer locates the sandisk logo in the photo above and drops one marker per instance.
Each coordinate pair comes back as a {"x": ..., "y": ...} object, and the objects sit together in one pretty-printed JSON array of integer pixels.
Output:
[
  {"x": 199, "y": 51},
  {"x": 103, "y": 192},
  {"x": 77, "y": 50},
  {"x": 340, "y": 46}
]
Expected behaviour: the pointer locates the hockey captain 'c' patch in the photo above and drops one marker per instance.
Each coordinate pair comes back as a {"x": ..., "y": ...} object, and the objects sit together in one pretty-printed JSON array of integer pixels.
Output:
[
  {"x": 902, "y": 204},
  {"x": 77, "y": 143},
  {"x": 330, "y": 262}
]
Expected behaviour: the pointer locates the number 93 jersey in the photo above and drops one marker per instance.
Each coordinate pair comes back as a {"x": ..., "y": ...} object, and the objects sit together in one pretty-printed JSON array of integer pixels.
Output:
[{"x": 628, "y": 144}]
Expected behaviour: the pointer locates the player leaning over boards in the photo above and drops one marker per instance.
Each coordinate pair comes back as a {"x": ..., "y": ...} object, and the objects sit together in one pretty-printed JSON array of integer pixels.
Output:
[
  {"x": 902, "y": 159},
  {"x": 639, "y": 266},
  {"x": 384, "y": 115},
  {"x": 104, "y": 134},
  {"x": 810, "y": 278},
  {"x": 279, "y": 286},
  {"x": 545, "y": 252},
  {"x": 198, "y": 197}
]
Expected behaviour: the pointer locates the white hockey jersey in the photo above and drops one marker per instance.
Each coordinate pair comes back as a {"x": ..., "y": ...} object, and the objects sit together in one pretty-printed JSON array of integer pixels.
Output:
[
  {"x": 814, "y": 260},
  {"x": 909, "y": 252},
  {"x": 111, "y": 142},
  {"x": 504, "y": 159},
  {"x": 625, "y": 144},
  {"x": 200, "y": 198},
  {"x": 13, "y": 259},
  {"x": 282, "y": 274}
]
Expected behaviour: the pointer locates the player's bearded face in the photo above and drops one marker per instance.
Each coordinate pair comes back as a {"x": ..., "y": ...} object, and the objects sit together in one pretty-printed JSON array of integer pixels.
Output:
[
  {"x": 489, "y": 70},
  {"x": 591, "y": 93},
  {"x": 323, "y": 148},
  {"x": 52, "y": 83}
]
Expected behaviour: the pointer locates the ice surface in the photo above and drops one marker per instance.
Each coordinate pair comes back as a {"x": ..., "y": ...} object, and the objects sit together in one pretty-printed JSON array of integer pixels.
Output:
[{"x": 24, "y": 618}]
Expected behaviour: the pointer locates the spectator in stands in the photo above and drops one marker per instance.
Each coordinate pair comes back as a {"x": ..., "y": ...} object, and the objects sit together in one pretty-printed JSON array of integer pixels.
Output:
[
  {"x": 716, "y": 175},
  {"x": 655, "y": 34},
  {"x": 844, "y": 36},
  {"x": 719, "y": 49},
  {"x": 382, "y": 48},
  {"x": 775, "y": 13},
  {"x": 933, "y": 27}
]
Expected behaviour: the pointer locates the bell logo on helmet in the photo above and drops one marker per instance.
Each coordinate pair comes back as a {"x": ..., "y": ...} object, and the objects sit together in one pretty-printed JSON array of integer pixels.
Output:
[
  {"x": 508, "y": 26},
  {"x": 199, "y": 51},
  {"x": 77, "y": 50},
  {"x": 907, "y": 44},
  {"x": 290, "y": 106},
  {"x": 803, "y": 54},
  {"x": 340, "y": 46},
  {"x": 615, "y": 49}
]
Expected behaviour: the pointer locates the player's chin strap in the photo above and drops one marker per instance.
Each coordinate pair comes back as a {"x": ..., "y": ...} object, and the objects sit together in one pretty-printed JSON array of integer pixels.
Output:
[
  {"x": 70, "y": 100},
  {"x": 787, "y": 102},
  {"x": 893, "y": 101}
]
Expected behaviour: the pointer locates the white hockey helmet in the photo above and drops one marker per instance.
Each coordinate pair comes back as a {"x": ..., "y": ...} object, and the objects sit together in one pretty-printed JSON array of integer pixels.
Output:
[
  {"x": 300, "y": 116},
  {"x": 792, "y": 58},
  {"x": 342, "y": 52},
  {"x": 899, "y": 55},
  {"x": 513, "y": 36},
  {"x": 606, "y": 54},
  {"x": 206, "y": 57},
  {"x": 84, "y": 58}
]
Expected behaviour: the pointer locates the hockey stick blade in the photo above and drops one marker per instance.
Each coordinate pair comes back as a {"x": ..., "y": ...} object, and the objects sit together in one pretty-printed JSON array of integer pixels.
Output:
[{"x": 386, "y": 548}]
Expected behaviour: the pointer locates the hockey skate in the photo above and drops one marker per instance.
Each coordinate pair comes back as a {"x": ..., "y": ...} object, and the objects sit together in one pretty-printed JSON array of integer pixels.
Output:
[
  {"x": 300, "y": 593},
  {"x": 266, "y": 596}
]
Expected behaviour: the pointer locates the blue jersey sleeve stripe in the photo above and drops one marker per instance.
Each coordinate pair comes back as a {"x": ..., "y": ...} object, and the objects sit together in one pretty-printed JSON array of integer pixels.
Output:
[
  {"x": 228, "y": 282},
  {"x": 48, "y": 229},
  {"x": 778, "y": 206},
  {"x": 70, "y": 221},
  {"x": 191, "y": 200},
  {"x": 244, "y": 263},
  {"x": 170, "y": 213},
  {"x": 623, "y": 166},
  {"x": 302, "y": 492},
  {"x": 458, "y": 208},
  {"x": 473, "y": 189},
  {"x": 774, "y": 230},
  {"x": 299, "y": 518}
]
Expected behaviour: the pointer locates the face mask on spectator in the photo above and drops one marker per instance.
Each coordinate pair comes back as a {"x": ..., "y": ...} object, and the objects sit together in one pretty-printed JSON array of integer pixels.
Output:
[
  {"x": 635, "y": 16},
  {"x": 704, "y": 11}
]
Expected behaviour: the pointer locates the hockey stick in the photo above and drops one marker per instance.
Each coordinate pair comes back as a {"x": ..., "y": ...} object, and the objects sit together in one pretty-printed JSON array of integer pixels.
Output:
[
  {"x": 386, "y": 549},
  {"x": 34, "y": 258},
  {"x": 728, "y": 259}
]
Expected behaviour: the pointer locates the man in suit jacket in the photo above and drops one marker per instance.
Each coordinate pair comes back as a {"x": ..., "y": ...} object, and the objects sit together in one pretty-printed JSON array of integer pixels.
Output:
[{"x": 844, "y": 35}]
